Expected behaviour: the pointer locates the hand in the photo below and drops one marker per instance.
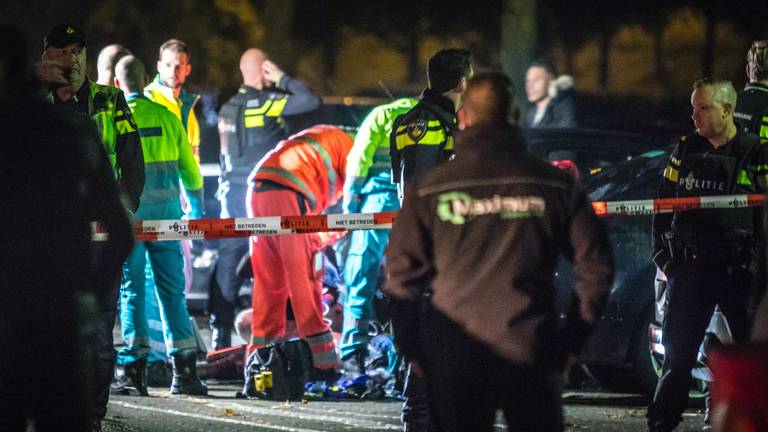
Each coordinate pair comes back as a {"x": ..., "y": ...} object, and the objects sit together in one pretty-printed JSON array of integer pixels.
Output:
[
  {"x": 272, "y": 72},
  {"x": 52, "y": 72}
]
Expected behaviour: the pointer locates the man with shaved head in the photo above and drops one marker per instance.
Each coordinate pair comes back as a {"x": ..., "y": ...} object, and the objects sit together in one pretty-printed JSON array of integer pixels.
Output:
[
  {"x": 105, "y": 64},
  {"x": 250, "y": 125},
  {"x": 168, "y": 158},
  {"x": 483, "y": 234}
]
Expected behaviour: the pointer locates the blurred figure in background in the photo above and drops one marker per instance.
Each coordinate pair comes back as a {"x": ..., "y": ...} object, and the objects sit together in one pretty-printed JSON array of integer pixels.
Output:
[
  {"x": 550, "y": 97},
  {"x": 53, "y": 278},
  {"x": 752, "y": 104}
]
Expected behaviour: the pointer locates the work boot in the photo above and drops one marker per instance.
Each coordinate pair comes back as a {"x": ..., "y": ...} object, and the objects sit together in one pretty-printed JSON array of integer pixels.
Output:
[
  {"x": 354, "y": 365},
  {"x": 158, "y": 374},
  {"x": 185, "y": 380},
  {"x": 136, "y": 372},
  {"x": 221, "y": 337}
]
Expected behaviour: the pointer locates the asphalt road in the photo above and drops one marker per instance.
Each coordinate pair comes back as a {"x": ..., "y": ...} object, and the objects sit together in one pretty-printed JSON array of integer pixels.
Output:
[{"x": 221, "y": 411}]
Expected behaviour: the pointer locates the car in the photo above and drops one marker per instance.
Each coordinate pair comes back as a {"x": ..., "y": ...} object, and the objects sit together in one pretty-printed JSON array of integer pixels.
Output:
[{"x": 624, "y": 351}]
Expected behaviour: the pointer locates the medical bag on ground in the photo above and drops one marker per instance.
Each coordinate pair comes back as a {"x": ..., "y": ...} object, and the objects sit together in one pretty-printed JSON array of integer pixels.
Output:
[{"x": 278, "y": 371}]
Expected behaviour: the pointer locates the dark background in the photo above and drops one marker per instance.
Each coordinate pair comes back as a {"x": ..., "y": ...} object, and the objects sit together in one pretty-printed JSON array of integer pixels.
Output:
[{"x": 633, "y": 63}]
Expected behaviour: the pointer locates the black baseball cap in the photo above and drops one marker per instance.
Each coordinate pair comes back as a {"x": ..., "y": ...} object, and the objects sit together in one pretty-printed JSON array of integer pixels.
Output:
[{"x": 63, "y": 35}]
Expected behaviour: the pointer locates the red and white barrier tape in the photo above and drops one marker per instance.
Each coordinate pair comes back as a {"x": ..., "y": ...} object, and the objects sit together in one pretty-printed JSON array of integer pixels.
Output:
[{"x": 157, "y": 230}]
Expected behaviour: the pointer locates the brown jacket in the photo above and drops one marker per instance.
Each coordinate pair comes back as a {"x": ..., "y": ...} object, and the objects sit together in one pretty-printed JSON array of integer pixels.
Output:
[{"x": 483, "y": 233}]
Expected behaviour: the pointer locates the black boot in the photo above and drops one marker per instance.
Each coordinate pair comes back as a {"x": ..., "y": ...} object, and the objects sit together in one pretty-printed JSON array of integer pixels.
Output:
[
  {"x": 158, "y": 374},
  {"x": 136, "y": 372},
  {"x": 221, "y": 337},
  {"x": 185, "y": 380}
]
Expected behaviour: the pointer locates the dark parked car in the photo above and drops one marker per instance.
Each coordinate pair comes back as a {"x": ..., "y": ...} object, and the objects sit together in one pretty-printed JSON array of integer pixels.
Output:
[{"x": 625, "y": 351}]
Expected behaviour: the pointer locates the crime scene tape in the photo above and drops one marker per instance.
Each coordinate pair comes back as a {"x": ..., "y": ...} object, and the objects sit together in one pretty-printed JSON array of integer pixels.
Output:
[{"x": 198, "y": 229}]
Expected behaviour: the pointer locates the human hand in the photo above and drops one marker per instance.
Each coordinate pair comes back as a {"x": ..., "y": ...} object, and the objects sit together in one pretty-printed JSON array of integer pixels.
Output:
[
  {"x": 272, "y": 72},
  {"x": 52, "y": 72}
]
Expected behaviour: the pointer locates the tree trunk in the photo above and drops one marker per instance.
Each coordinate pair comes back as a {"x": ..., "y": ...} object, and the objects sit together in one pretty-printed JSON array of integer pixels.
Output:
[
  {"x": 518, "y": 39},
  {"x": 604, "y": 60}
]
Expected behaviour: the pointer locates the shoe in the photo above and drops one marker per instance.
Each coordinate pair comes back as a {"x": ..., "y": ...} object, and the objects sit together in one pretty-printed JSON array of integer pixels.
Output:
[
  {"x": 221, "y": 337},
  {"x": 136, "y": 372},
  {"x": 158, "y": 374},
  {"x": 185, "y": 380},
  {"x": 354, "y": 365}
]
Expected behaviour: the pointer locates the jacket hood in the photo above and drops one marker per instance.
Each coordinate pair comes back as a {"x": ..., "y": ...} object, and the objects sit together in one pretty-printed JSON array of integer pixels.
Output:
[
  {"x": 484, "y": 137},
  {"x": 560, "y": 84}
]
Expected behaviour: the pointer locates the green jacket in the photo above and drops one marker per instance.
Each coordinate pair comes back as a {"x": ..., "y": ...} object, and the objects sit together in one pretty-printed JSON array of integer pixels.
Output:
[
  {"x": 107, "y": 108},
  {"x": 369, "y": 164},
  {"x": 168, "y": 158}
]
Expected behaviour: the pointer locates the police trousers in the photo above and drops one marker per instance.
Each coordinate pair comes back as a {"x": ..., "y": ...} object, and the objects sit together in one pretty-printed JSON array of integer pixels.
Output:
[{"x": 694, "y": 288}]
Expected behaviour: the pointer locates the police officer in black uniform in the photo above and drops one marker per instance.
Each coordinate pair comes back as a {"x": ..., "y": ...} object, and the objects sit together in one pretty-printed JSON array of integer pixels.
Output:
[
  {"x": 708, "y": 256},
  {"x": 250, "y": 125},
  {"x": 752, "y": 107},
  {"x": 421, "y": 139}
]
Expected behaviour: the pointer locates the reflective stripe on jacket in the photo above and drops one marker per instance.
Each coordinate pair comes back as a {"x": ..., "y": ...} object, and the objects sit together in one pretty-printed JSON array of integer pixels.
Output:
[
  {"x": 311, "y": 163},
  {"x": 369, "y": 164},
  {"x": 168, "y": 158}
]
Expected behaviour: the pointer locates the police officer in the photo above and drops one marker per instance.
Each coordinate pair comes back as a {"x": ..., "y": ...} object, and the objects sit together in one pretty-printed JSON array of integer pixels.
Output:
[
  {"x": 63, "y": 71},
  {"x": 421, "y": 139},
  {"x": 250, "y": 125},
  {"x": 707, "y": 255},
  {"x": 483, "y": 234},
  {"x": 368, "y": 188},
  {"x": 752, "y": 105},
  {"x": 168, "y": 159}
]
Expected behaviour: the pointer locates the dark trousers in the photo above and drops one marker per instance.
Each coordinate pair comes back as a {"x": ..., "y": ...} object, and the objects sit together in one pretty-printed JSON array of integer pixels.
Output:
[
  {"x": 694, "y": 290},
  {"x": 43, "y": 366},
  {"x": 415, "y": 415},
  {"x": 223, "y": 300},
  {"x": 467, "y": 383},
  {"x": 103, "y": 346}
]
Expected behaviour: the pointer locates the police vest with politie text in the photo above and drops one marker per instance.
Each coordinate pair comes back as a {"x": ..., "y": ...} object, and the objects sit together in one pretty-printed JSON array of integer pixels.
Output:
[
  {"x": 251, "y": 124},
  {"x": 715, "y": 235}
]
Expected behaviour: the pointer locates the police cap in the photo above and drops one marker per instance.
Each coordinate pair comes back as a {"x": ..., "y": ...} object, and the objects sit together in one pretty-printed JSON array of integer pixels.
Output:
[{"x": 63, "y": 35}]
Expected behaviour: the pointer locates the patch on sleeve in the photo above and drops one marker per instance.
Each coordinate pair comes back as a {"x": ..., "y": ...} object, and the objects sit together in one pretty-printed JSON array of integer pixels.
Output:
[
  {"x": 129, "y": 116},
  {"x": 416, "y": 129}
]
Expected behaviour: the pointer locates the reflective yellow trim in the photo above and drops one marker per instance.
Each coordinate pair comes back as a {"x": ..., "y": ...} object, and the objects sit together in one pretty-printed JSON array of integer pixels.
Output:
[
  {"x": 449, "y": 144},
  {"x": 671, "y": 174},
  {"x": 743, "y": 178},
  {"x": 260, "y": 110},
  {"x": 675, "y": 160},
  {"x": 254, "y": 121},
  {"x": 123, "y": 127},
  {"x": 277, "y": 107}
]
